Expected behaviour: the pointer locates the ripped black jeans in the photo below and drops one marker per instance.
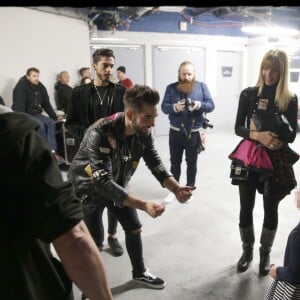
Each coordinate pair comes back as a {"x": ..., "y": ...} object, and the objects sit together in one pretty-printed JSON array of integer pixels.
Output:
[{"x": 130, "y": 223}]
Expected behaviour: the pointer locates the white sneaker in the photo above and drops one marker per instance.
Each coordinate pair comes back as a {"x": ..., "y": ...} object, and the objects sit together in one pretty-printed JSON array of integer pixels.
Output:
[
  {"x": 169, "y": 198},
  {"x": 149, "y": 280}
]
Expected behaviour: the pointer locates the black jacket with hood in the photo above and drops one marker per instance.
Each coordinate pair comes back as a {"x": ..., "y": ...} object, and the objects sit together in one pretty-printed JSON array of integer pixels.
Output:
[{"x": 32, "y": 99}]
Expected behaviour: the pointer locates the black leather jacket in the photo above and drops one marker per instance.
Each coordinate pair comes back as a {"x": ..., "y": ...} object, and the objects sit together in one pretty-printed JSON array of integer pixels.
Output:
[{"x": 101, "y": 168}]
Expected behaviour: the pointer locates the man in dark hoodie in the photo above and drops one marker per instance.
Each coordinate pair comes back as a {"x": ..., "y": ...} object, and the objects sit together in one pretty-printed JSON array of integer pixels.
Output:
[
  {"x": 63, "y": 92},
  {"x": 30, "y": 96},
  {"x": 39, "y": 208}
]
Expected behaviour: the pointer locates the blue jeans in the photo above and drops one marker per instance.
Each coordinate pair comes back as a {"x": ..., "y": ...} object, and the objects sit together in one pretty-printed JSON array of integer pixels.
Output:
[
  {"x": 178, "y": 143},
  {"x": 47, "y": 130}
]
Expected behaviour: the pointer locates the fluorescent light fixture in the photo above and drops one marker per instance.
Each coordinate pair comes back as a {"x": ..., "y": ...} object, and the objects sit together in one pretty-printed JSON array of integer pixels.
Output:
[
  {"x": 107, "y": 39},
  {"x": 131, "y": 47},
  {"x": 269, "y": 30},
  {"x": 166, "y": 48}
]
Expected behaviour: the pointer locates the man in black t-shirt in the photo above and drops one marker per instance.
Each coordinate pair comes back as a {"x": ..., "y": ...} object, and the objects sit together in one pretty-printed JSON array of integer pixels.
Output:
[{"x": 39, "y": 208}]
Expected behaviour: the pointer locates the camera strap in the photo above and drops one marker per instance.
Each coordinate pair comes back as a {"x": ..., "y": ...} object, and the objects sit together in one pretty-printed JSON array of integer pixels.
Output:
[{"x": 187, "y": 133}]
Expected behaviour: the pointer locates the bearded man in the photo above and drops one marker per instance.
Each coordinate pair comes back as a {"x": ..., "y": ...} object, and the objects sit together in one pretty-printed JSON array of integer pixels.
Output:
[
  {"x": 30, "y": 96},
  {"x": 186, "y": 102},
  {"x": 91, "y": 102},
  {"x": 108, "y": 157}
]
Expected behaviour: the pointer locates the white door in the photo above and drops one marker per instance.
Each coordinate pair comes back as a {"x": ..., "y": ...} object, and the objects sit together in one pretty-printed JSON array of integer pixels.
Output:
[{"x": 229, "y": 81}]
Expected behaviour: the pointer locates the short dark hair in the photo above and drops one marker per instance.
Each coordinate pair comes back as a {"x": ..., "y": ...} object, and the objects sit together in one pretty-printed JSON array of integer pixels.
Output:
[
  {"x": 81, "y": 70},
  {"x": 139, "y": 95},
  {"x": 102, "y": 52},
  {"x": 122, "y": 69},
  {"x": 32, "y": 69}
]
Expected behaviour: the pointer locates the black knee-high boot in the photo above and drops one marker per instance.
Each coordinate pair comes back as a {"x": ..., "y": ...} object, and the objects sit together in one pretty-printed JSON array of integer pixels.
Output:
[
  {"x": 135, "y": 251},
  {"x": 266, "y": 240},
  {"x": 247, "y": 237}
]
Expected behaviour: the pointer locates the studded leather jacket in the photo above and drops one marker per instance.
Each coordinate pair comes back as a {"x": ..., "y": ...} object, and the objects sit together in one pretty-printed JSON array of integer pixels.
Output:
[{"x": 107, "y": 159}]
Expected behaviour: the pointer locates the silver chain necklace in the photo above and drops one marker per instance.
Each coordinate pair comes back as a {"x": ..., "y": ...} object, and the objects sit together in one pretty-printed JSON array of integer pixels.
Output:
[
  {"x": 101, "y": 98},
  {"x": 127, "y": 157}
]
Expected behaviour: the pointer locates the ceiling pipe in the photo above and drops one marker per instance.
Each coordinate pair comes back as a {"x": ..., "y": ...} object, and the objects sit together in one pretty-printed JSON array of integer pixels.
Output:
[{"x": 63, "y": 11}]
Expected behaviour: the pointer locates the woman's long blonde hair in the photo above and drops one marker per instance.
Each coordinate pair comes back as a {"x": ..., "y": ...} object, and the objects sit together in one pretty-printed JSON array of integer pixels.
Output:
[{"x": 277, "y": 59}]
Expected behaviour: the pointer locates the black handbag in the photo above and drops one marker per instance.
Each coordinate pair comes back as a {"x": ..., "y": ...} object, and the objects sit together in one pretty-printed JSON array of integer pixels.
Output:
[{"x": 238, "y": 171}]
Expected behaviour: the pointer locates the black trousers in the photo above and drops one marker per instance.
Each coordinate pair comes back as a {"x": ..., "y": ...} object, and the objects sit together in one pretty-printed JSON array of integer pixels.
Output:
[
  {"x": 129, "y": 221},
  {"x": 95, "y": 223},
  {"x": 247, "y": 191}
]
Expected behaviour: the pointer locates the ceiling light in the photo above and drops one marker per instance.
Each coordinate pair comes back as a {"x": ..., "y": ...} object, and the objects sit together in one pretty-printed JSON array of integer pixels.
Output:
[
  {"x": 107, "y": 39},
  {"x": 269, "y": 30},
  {"x": 165, "y": 48},
  {"x": 130, "y": 47}
]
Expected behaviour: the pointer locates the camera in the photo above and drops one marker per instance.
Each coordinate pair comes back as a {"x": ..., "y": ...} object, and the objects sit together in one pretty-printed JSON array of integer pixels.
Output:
[
  {"x": 207, "y": 124},
  {"x": 188, "y": 104}
]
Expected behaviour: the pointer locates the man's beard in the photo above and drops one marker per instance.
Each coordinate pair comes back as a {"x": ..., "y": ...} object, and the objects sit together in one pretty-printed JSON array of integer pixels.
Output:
[
  {"x": 139, "y": 130},
  {"x": 185, "y": 87},
  {"x": 106, "y": 78}
]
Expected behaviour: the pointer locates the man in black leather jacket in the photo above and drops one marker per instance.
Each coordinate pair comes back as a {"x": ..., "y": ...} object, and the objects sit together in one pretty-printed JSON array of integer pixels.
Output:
[
  {"x": 108, "y": 157},
  {"x": 90, "y": 102}
]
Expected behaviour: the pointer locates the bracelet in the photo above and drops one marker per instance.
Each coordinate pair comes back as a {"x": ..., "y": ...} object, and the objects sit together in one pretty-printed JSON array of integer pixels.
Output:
[{"x": 175, "y": 189}]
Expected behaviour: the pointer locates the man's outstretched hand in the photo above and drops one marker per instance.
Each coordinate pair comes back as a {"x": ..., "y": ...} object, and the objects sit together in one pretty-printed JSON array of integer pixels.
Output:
[
  {"x": 183, "y": 193},
  {"x": 154, "y": 209}
]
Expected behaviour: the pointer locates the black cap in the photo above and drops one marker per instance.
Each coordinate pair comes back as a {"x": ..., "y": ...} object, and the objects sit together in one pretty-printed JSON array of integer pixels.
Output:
[{"x": 122, "y": 69}]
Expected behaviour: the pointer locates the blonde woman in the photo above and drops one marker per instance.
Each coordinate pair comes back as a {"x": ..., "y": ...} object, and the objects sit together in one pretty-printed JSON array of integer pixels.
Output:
[{"x": 267, "y": 114}]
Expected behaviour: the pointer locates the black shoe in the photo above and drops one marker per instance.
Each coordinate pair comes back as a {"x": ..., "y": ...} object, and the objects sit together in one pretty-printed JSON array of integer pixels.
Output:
[
  {"x": 149, "y": 280},
  {"x": 115, "y": 246},
  {"x": 245, "y": 260},
  {"x": 264, "y": 264}
]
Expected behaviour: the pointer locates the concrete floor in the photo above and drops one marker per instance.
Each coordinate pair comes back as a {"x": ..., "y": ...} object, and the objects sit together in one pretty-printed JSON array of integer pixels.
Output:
[{"x": 195, "y": 247}]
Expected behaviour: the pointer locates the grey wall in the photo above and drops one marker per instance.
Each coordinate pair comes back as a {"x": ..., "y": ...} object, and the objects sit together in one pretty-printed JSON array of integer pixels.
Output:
[{"x": 49, "y": 42}]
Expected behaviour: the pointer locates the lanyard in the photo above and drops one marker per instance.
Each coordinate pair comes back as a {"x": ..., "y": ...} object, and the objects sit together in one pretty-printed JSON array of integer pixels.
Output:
[{"x": 187, "y": 134}]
